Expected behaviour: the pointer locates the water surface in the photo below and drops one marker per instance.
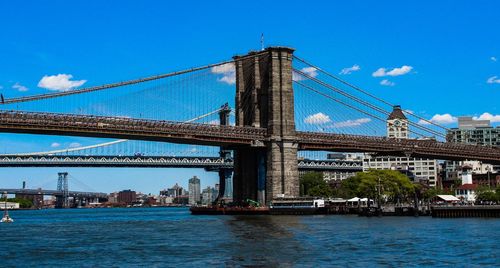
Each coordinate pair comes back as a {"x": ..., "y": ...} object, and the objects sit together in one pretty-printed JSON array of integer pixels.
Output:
[{"x": 167, "y": 237}]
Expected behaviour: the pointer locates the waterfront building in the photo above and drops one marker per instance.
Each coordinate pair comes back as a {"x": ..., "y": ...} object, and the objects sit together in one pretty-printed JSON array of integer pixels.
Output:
[
  {"x": 9, "y": 205},
  {"x": 165, "y": 200},
  {"x": 475, "y": 132},
  {"x": 113, "y": 198},
  {"x": 417, "y": 169},
  {"x": 194, "y": 191},
  {"x": 127, "y": 197},
  {"x": 175, "y": 191},
  {"x": 466, "y": 191}
]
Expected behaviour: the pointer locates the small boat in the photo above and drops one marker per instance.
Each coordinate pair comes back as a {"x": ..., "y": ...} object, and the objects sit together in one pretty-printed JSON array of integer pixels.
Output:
[{"x": 6, "y": 218}]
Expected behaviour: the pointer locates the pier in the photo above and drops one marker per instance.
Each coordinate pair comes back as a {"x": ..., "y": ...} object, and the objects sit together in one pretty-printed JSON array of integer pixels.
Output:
[{"x": 466, "y": 212}]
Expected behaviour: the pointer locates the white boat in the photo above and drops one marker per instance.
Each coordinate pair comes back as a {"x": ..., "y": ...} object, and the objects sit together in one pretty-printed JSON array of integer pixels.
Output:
[
  {"x": 6, "y": 218},
  {"x": 297, "y": 206}
]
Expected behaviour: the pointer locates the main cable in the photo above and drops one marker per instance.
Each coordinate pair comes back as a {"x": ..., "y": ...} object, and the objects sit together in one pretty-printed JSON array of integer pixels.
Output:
[{"x": 365, "y": 92}]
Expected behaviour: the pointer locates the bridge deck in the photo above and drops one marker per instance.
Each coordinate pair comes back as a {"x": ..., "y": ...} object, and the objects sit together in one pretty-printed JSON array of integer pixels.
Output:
[
  {"x": 53, "y": 192},
  {"x": 204, "y": 134}
]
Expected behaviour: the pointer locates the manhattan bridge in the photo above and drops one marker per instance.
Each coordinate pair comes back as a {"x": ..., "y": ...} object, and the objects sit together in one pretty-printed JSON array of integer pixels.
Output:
[{"x": 257, "y": 118}]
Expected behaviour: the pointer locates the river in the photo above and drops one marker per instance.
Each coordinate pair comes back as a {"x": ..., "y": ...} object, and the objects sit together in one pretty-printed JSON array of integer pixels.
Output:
[{"x": 168, "y": 237}]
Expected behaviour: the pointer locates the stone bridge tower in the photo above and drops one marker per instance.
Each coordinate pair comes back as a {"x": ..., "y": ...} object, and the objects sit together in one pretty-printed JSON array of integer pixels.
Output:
[{"x": 264, "y": 98}]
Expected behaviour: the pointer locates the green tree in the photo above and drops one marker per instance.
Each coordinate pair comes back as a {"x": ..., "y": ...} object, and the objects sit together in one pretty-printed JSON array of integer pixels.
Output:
[
  {"x": 313, "y": 184},
  {"x": 485, "y": 194},
  {"x": 23, "y": 203},
  {"x": 392, "y": 184}
]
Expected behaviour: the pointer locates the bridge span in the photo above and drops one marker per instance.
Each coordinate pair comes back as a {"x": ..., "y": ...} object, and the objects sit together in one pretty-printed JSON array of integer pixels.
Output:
[
  {"x": 233, "y": 136},
  {"x": 54, "y": 193},
  {"x": 208, "y": 163}
]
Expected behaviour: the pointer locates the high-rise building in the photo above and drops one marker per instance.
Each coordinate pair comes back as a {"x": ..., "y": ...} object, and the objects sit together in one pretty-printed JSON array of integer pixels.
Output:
[
  {"x": 194, "y": 191},
  {"x": 418, "y": 169},
  {"x": 175, "y": 191},
  {"x": 208, "y": 195},
  {"x": 475, "y": 132}
]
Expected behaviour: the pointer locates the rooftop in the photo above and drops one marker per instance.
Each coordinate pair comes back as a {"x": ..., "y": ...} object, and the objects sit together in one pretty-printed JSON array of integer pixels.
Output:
[
  {"x": 467, "y": 187},
  {"x": 396, "y": 113}
]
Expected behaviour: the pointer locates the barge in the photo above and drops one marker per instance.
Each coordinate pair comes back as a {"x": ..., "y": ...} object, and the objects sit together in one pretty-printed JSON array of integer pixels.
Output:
[{"x": 280, "y": 206}]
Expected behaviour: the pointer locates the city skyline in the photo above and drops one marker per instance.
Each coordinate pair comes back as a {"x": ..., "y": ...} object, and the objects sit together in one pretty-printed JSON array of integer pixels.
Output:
[{"x": 442, "y": 67}]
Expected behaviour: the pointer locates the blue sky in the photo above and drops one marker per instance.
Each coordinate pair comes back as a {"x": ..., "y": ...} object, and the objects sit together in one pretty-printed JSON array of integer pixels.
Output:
[{"x": 450, "y": 50}]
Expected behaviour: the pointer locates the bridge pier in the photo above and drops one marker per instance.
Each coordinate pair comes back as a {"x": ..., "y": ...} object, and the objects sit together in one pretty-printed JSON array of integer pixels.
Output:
[{"x": 264, "y": 98}]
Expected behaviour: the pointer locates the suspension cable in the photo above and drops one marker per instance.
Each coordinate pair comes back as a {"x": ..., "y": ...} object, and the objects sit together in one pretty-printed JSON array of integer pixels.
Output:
[
  {"x": 366, "y": 92},
  {"x": 348, "y": 105},
  {"x": 374, "y": 107},
  {"x": 120, "y": 84}
]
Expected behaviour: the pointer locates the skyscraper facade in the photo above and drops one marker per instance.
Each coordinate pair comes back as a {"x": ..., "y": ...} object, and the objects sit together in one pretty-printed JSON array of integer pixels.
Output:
[{"x": 194, "y": 191}]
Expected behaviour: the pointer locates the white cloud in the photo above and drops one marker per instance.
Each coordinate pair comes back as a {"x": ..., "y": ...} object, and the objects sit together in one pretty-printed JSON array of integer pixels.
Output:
[
  {"x": 310, "y": 71},
  {"x": 349, "y": 70},
  {"x": 388, "y": 83},
  {"x": 493, "y": 80},
  {"x": 74, "y": 145},
  {"x": 379, "y": 73},
  {"x": 316, "y": 119},
  {"x": 228, "y": 72},
  {"x": 19, "y": 87},
  {"x": 488, "y": 116},
  {"x": 214, "y": 122},
  {"x": 493, "y": 58},
  {"x": 55, "y": 145},
  {"x": 394, "y": 72},
  {"x": 351, "y": 123},
  {"x": 440, "y": 119},
  {"x": 60, "y": 82}
]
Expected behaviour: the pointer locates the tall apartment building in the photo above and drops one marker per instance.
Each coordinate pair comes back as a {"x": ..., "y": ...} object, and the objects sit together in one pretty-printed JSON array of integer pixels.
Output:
[
  {"x": 418, "y": 169},
  {"x": 476, "y": 132},
  {"x": 208, "y": 195},
  {"x": 194, "y": 191}
]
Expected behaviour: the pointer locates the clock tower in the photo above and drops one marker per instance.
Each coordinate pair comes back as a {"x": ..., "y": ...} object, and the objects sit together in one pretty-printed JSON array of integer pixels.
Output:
[{"x": 397, "y": 124}]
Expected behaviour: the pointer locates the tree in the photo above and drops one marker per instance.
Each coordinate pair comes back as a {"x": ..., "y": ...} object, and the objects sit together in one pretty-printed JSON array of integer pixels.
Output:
[
  {"x": 23, "y": 203},
  {"x": 484, "y": 194},
  {"x": 392, "y": 184},
  {"x": 313, "y": 184}
]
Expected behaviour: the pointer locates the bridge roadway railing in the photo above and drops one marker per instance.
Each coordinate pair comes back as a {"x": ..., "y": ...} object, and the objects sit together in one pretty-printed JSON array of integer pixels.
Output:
[
  {"x": 410, "y": 147},
  {"x": 101, "y": 126},
  {"x": 210, "y": 163},
  {"x": 113, "y": 161}
]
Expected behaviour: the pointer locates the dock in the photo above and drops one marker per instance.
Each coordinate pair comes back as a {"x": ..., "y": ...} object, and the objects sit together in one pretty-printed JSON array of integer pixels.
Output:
[{"x": 466, "y": 211}]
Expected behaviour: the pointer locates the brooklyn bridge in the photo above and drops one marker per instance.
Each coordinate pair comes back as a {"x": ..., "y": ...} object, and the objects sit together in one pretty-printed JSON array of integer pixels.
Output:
[{"x": 276, "y": 108}]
